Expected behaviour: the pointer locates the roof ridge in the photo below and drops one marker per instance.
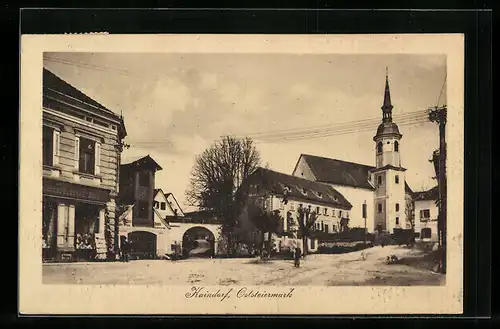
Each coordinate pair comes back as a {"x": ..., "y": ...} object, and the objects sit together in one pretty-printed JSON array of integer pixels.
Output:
[
  {"x": 295, "y": 177},
  {"x": 350, "y": 162}
]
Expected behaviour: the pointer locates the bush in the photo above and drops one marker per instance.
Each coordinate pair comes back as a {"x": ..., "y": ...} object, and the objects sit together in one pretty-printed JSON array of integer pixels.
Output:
[
  {"x": 342, "y": 247},
  {"x": 404, "y": 236}
]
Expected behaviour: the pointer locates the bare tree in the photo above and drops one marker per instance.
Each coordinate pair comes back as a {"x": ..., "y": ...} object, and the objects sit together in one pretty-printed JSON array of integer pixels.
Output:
[
  {"x": 306, "y": 219},
  {"x": 409, "y": 212},
  {"x": 216, "y": 177}
]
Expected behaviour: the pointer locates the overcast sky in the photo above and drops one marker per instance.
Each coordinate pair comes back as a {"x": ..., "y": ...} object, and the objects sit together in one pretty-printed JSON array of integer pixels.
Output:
[{"x": 175, "y": 105}]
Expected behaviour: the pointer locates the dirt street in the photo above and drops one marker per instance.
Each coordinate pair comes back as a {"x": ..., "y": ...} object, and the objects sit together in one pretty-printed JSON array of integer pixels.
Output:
[{"x": 357, "y": 268}]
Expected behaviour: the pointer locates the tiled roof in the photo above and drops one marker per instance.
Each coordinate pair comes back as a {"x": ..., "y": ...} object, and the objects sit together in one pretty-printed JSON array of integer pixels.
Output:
[
  {"x": 339, "y": 172},
  {"x": 432, "y": 194},
  {"x": 52, "y": 81},
  {"x": 408, "y": 189},
  {"x": 277, "y": 182},
  {"x": 141, "y": 161}
]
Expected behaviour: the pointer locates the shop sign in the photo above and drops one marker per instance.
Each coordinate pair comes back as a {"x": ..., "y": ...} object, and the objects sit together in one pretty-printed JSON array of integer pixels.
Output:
[{"x": 74, "y": 191}]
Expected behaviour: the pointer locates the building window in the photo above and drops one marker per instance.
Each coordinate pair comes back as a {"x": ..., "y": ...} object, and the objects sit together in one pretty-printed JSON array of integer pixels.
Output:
[
  {"x": 340, "y": 213},
  {"x": 379, "y": 179},
  {"x": 317, "y": 210},
  {"x": 143, "y": 209},
  {"x": 379, "y": 147},
  {"x": 426, "y": 233},
  {"x": 396, "y": 146},
  {"x": 379, "y": 208},
  {"x": 425, "y": 214},
  {"x": 144, "y": 178},
  {"x": 326, "y": 228},
  {"x": 397, "y": 206},
  {"x": 322, "y": 226},
  {"x": 334, "y": 228},
  {"x": 47, "y": 145},
  {"x": 396, "y": 179},
  {"x": 163, "y": 206},
  {"x": 325, "y": 211},
  {"x": 346, "y": 214},
  {"x": 300, "y": 205},
  {"x": 157, "y": 204},
  {"x": 313, "y": 244},
  {"x": 87, "y": 156},
  {"x": 397, "y": 220},
  {"x": 50, "y": 146},
  {"x": 333, "y": 213}
]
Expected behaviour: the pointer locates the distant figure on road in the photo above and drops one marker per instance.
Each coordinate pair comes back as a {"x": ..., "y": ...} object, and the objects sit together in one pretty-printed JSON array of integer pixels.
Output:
[
  {"x": 297, "y": 255},
  {"x": 125, "y": 250}
]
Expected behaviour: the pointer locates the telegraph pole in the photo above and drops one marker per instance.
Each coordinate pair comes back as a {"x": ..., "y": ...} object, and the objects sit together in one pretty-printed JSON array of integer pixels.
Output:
[
  {"x": 364, "y": 216},
  {"x": 438, "y": 114}
]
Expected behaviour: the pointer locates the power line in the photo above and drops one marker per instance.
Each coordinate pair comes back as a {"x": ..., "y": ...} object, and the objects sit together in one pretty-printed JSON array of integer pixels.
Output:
[
  {"x": 442, "y": 89},
  {"x": 353, "y": 125},
  {"x": 86, "y": 65},
  {"x": 297, "y": 137},
  {"x": 328, "y": 126}
]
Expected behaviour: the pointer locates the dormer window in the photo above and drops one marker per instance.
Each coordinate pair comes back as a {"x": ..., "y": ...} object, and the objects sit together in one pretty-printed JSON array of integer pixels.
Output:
[
  {"x": 287, "y": 189},
  {"x": 304, "y": 191},
  {"x": 320, "y": 195}
]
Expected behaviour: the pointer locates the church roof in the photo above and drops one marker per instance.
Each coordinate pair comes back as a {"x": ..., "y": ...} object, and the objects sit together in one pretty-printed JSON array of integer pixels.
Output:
[
  {"x": 339, "y": 172},
  {"x": 314, "y": 191},
  {"x": 388, "y": 128}
]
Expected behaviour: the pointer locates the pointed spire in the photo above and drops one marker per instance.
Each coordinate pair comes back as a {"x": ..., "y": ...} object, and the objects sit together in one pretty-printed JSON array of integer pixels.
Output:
[{"x": 387, "y": 107}]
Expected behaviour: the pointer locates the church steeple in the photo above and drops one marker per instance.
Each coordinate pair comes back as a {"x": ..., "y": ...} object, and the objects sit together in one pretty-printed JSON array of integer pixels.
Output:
[{"x": 387, "y": 107}]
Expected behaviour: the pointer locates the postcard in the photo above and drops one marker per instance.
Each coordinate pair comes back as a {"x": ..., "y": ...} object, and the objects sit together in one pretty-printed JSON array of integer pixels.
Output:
[{"x": 241, "y": 174}]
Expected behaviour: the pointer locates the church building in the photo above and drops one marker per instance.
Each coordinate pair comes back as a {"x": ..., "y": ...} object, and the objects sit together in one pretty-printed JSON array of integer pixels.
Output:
[{"x": 382, "y": 187}]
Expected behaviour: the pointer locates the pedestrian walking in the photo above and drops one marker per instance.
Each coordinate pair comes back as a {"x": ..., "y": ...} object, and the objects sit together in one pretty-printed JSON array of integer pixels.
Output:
[{"x": 297, "y": 256}]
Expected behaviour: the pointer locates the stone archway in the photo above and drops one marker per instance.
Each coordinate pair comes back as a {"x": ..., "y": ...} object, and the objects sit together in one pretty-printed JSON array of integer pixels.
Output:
[
  {"x": 198, "y": 241},
  {"x": 142, "y": 244}
]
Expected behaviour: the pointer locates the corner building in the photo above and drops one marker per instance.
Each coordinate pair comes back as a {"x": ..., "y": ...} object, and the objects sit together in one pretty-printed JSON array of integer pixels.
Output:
[{"x": 82, "y": 144}]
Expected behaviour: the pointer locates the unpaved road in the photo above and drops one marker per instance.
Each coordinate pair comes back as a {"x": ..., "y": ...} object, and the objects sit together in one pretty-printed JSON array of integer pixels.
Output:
[{"x": 321, "y": 270}]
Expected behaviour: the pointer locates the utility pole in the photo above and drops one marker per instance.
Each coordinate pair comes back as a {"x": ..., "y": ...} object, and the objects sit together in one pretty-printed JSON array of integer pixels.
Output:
[
  {"x": 364, "y": 216},
  {"x": 438, "y": 114}
]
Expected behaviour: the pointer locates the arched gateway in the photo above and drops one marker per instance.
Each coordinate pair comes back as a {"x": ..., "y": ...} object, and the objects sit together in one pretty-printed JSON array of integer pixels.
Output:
[
  {"x": 142, "y": 244},
  {"x": 198, "y": 241}
]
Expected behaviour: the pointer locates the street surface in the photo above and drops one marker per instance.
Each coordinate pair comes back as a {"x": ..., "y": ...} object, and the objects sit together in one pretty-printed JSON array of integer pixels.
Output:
[{"x": 366, "y": 267}]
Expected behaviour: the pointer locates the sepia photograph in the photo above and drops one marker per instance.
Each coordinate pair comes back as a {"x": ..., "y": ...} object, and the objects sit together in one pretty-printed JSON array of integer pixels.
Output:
[{"x": 246, "y": 174}]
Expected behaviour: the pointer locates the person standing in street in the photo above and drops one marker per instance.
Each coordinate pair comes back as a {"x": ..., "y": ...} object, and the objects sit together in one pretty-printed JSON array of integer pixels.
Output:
[
  {"x": 297, "y": 256},
  {"x": 125, "y": 250}
]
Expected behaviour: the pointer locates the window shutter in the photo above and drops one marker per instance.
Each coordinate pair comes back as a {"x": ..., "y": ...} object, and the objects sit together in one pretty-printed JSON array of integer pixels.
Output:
[
  {"x": 97, "y": 163},
  {"x": 77, "y": 152},
  {"x": 55, "y": 147}
]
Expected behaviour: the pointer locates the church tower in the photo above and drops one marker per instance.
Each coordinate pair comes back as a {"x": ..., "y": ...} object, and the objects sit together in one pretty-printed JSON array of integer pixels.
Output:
[{"x": 388, "y": 176}]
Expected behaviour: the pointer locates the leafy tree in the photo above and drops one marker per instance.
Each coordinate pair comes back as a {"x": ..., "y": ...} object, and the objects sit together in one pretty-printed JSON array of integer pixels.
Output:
[
  {"x": 216, "y": 177},
  {"x": 306, "y": 219},
  {"x": 264, "y": 219}
]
